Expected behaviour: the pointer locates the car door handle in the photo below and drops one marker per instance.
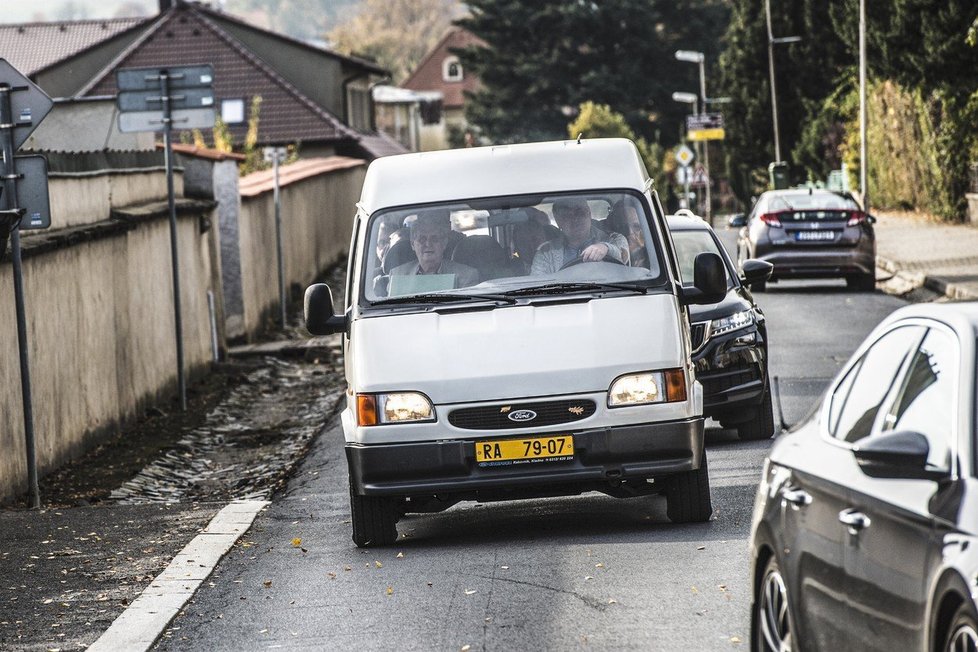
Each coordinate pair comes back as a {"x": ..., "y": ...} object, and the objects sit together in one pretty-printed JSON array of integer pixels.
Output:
[
  {"x": 797, "y": 497},
  {"x": 854, "y": 520}
]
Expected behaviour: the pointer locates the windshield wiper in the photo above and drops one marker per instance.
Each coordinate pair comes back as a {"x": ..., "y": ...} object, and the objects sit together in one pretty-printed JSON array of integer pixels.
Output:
[
  {"x": 563, "y": 288},
  {"x": 443, "y": 298}
]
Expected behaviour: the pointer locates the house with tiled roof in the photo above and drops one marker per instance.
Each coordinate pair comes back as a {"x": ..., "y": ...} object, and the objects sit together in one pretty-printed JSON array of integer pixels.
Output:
[
  {"x": 309, "y": 95},
  {"x": 441, "y": 71}
]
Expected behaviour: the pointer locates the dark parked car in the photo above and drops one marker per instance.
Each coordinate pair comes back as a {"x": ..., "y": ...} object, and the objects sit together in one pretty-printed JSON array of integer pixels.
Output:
[
  {"x": 865, "y": 528},
  {"x": 810, "y": 233},
  {"x": 729, "y": 338}
]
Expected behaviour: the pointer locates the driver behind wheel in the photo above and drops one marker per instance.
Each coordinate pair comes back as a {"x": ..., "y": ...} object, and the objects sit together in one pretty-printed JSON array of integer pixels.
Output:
[{"x": 578, "y": 239}]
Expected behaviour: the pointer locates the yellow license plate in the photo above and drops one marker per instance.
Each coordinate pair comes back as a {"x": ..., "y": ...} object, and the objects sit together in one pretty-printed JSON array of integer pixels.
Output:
[{"x": 503, "y": 452}]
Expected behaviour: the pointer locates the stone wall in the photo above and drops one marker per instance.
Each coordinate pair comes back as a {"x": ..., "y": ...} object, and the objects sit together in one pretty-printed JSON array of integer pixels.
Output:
[{"x": 99, "y": 307}]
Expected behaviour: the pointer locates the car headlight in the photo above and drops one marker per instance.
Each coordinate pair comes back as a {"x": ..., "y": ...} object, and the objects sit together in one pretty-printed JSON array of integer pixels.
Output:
[
  {"x": 648, "y": 387},
  {"x": 397, "y": 407},
  {"x": 731, "y": 322}
]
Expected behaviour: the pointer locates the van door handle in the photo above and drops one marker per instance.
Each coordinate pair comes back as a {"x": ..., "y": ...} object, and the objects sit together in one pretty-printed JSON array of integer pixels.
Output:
[
  {"x": 855, "y": 521},
  {"x": 797, "y": 497}
]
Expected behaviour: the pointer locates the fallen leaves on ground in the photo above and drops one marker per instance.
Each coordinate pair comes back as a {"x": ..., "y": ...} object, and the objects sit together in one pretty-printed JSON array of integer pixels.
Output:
[
  {"x": 296, "y": 542},
  {"x": 390, "y": 590},
  {"x": 400, "y": 555},
  {"x": 267, "y": 584},
  {"x": 378, "y": 564},
  {"x": 469, "y": 591}
]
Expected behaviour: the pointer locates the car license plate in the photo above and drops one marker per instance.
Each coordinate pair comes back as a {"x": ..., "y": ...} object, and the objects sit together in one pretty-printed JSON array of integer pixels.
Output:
[
  {"x": 815, "y": 235},
  {"x": 507, "y": 452}
]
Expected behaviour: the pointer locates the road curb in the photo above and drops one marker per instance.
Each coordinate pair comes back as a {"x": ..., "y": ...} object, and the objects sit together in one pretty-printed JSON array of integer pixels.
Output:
[
  {"x": 138, "y": 627},
  {"x": 939, "y": 284}
]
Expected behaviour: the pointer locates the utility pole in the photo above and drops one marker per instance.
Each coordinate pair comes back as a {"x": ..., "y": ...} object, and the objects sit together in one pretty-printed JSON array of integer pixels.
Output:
[
  {"x": 771, "y": 42},
  {"x": 863, "y": 148}
]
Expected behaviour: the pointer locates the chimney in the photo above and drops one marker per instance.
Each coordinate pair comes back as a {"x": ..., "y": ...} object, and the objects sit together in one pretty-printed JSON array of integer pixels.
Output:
[{"x": 165, "y": 5}]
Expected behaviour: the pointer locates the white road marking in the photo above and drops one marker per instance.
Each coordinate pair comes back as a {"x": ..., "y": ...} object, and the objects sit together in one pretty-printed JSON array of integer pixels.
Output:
[{"x": 138, "y": 627}]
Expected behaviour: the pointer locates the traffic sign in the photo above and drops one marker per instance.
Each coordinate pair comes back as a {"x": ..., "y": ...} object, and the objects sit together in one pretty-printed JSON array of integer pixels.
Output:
[
  {"x": 275, "y": 154},
  {"x": 699, "y": 177},
  {"x": 151, "y": 100},
  {"x": 705, "y": 126},
  {"x": 148, "y": 79},
  {"x": 32, "y": 191},
  {"x": 153, "y": 120},
  {"x": 28, "y": 103},
  {"x": 684, "y": 155}
]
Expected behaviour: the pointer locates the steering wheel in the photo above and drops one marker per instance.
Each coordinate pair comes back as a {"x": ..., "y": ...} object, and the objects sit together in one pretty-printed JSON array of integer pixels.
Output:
[{"x": 578, "y": 260}]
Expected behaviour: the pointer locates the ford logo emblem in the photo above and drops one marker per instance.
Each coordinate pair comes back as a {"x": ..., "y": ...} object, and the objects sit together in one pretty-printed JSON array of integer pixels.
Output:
[{"x": 522, "y": 415}]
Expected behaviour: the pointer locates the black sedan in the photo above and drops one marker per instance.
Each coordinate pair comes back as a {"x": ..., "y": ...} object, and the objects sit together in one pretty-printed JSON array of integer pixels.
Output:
[
  {"x": 810, "y": 233},
  {"x": 729, "y": 338},
  {"x": 865, "y": 528}
]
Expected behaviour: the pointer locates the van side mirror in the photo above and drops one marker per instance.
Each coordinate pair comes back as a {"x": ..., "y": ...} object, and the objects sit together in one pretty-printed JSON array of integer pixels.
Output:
[
  {"x": 709, "y": 280},
  {"x": 737, "y": 221},
  {"x": 756, "y": 271},
  {"x": 318, "y": 311}
]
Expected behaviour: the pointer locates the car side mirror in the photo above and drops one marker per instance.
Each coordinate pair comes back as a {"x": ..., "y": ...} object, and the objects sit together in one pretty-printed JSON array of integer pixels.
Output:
[
  {"x": 737, "y": 221},
  {"x": 899, "y": 454},
  {"x": 709, "y": 280},
  {"x": 756, "y": 271},
  {"x": 318, "y": 311}
]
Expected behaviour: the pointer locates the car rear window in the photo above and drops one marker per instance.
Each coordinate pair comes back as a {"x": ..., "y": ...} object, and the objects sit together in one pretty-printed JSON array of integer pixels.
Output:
[{"x": 805, "y": 207}]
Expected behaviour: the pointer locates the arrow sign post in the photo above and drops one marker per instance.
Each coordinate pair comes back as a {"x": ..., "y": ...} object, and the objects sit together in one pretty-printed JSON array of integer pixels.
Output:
[
  {"x": 159, "y": 99},
  {"x": 23, "y": 189}
]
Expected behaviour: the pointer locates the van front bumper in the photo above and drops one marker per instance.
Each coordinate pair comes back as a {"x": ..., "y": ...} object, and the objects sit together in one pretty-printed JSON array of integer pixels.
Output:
[{"x": 601, "y": 457}]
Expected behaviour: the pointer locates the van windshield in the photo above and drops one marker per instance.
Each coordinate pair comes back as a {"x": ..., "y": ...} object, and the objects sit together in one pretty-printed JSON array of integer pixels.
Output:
[{"x": 571, "y": 242}]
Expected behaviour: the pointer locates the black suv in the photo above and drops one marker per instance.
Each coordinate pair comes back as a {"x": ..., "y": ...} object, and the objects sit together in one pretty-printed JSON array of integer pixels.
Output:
[{"x": 729, "y": 338}]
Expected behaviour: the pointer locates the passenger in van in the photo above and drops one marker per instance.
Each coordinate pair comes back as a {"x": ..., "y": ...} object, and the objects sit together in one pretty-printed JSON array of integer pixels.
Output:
[
  {"x": 624, "y": 218},
  {"x": 430, "y": 236},
  {"x": 578, "y": 238},
  {"x": 529, "y": 235}
]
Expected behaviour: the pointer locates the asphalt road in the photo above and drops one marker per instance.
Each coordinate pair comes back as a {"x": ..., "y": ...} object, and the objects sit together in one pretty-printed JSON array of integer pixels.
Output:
[{"x": 589, "y": 572}]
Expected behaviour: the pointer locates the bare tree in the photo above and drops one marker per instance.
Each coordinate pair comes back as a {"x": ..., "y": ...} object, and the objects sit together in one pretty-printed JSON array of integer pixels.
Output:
[{"x": 396, "y": 33}]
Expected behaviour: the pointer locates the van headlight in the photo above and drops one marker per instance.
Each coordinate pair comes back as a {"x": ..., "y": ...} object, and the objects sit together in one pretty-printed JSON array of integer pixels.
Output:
[
  {"x": 396, "y": 407},
  {"x": 731, "y": 322},
  {"x": 648, "y": 387}
]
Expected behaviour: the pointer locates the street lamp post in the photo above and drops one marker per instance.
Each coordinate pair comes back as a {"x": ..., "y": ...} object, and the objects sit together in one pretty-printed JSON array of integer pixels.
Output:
[
  {"x": 771, "y": 42},
  {"x": 699, "y": 58}
]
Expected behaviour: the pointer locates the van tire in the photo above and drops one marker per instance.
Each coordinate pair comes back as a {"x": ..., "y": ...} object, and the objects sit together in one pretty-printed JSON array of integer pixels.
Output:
[
  {"x": 374, "y": 520},
  {"x": 761, "y": 424},
  {"x": 688, "y": 495}
]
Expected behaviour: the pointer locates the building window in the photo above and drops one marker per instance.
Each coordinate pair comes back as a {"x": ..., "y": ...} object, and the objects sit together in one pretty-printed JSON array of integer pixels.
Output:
[
  {"x": 233, "y": 111},
  {"x": 452, "y": 70}
]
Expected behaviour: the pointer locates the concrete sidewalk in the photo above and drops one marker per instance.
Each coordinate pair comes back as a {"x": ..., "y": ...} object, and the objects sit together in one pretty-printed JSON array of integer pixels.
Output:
[{"x": 919, "y": 252}]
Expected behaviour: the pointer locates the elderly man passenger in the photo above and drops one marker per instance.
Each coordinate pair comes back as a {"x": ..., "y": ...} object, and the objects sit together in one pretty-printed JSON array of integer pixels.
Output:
[
  {"x": 430, "y": 233},
  {"x": 578, "y": 239}
]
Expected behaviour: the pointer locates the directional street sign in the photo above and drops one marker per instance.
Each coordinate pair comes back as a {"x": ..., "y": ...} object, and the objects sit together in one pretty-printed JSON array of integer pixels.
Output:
[
  {"x": 148, "y": 79},
  {"x": 32, "y": 191},
  {"x": 150, "y": 100},
  {"x": 153, "y": 120},
  {"x": 705, "y": 126},
  {"x": 684, "y": 155},
  {"x": 28, "y": 103}
]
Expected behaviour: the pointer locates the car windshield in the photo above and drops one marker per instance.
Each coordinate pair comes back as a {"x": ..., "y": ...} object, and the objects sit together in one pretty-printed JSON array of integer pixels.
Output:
[
  {"x": 690, "y": 244},
  {"x": 511, "y": 246},
  {"x": 803, "y": 201}
]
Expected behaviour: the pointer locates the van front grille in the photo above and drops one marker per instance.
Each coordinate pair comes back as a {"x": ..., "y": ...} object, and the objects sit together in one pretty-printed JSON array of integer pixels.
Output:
[{"x": 533, "y": 415}]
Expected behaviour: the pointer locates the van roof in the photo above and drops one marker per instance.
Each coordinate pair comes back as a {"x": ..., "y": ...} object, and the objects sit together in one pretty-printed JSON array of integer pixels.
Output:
[{"x": 558, "y": 166}]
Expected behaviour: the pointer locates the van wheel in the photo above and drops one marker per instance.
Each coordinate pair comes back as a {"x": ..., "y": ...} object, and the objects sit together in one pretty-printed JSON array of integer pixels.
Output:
[
  {"x": 688, "y": 496},
  {"x": 374, "y": 519},
  {"x": 761, "y": 424},
  {"x": 963, "y": 634}
]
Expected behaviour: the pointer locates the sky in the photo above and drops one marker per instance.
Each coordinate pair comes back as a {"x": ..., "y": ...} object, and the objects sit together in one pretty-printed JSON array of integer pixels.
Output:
[{"x": 21, "y": 11}]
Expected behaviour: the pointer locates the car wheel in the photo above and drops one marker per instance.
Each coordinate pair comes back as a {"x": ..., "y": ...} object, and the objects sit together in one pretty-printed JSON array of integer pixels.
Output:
[
  {"x": 963, "y": 635},
  {"x": 761, "y": 425},
  {"x": 861, "y": 282},
  {"x": 688, "y": 496},
  {"x": 374, "y": 519},
  {"x": 771, "y": 629}
]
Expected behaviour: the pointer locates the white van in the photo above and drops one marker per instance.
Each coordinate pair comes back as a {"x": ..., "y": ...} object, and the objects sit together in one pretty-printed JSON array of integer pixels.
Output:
[{"x": 515, "y": 326}]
